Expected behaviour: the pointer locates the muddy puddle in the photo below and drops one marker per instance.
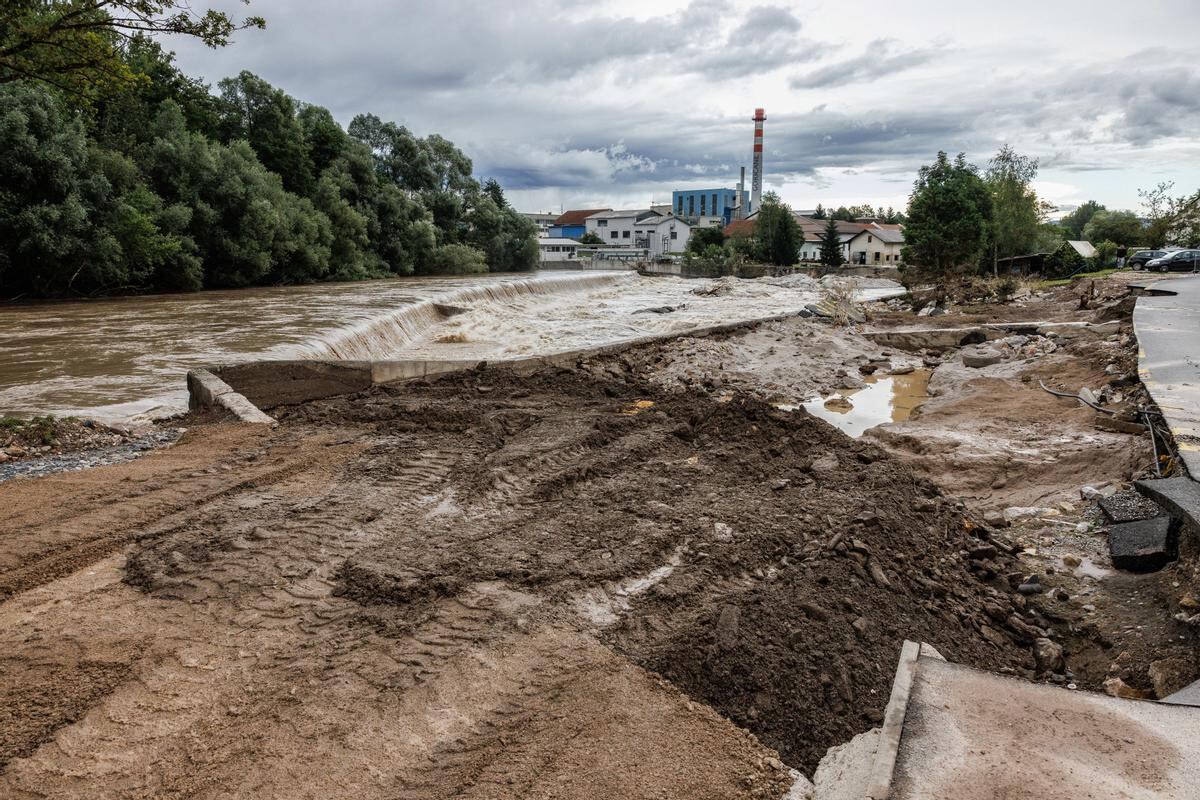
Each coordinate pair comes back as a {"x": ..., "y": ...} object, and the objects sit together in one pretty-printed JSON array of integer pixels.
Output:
[{"x": 889, "y": 398}]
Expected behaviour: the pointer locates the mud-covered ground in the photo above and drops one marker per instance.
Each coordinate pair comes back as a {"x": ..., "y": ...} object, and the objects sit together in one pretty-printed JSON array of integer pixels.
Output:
[
  {"x": 456, "y": 588},
  {"x": 633, "y": 578}
]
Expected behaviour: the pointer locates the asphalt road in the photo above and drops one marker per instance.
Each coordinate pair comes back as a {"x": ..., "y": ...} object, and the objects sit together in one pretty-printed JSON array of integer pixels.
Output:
[{"x": 1168, "y": 331}]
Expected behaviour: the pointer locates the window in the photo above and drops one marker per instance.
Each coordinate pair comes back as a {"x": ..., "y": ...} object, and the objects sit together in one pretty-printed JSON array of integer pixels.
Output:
[
  {"x": 703, "y": 198},
  {"x": 869, "y": 239},
  {"x": 714, "y": 205},
  {"x": 691, "y": 205},
  {"x": 624, "y": 234},
  {"x": 674, "y": 235},
  {"x": 614, "y": 235},
  {"x": 680, "y": 205},
  {"x": 876, "y": 256}
]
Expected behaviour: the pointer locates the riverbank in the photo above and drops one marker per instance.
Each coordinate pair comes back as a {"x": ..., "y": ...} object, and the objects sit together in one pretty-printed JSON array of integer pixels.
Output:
[{"x": 637, "y": 576}]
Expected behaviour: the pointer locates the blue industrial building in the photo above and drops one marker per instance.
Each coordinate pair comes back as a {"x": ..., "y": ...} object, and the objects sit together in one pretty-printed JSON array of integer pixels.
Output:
[{"x": 693, "y": 203}]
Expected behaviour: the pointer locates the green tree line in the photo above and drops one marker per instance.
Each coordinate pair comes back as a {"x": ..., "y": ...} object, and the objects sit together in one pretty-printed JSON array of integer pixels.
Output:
[
  {"x": 159, "y": 184},
  {"x": 960, "y": 219}
]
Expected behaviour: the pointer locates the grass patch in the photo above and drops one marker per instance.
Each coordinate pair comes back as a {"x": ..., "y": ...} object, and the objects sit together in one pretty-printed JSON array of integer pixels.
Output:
[{"x": 1100, "y": 273}]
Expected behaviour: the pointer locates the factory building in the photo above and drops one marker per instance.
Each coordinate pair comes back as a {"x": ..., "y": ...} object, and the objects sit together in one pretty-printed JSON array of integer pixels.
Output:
[
  {"x": 572, "y": 224},
  {"x": 692, "y": 204},
  {"x": 615, "y": 228},
  {"x": 662, "y": 236}
]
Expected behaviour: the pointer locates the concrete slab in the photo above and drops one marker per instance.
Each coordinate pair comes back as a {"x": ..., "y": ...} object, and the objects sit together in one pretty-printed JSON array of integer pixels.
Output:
[
  {"x": 1129, "y": 506},
  {"x": 1142, "y": 546},
  {"x": 971, "y": 735},
  {"x": 207, "y": 391},
  {"x": 1187, "y": 696},
  {"x": 1167, "y": 324},
  {"x": 1179, "y": 496}
]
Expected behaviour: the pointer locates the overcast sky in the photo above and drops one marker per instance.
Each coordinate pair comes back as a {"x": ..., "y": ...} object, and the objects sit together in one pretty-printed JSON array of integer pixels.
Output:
[{"x": 574, "y": 104}]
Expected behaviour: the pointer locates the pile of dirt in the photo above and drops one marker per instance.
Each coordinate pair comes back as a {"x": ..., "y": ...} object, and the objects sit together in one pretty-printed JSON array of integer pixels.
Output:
[
  {"x": 790, "y": 561},
  {"x": 48, "y": 435}
]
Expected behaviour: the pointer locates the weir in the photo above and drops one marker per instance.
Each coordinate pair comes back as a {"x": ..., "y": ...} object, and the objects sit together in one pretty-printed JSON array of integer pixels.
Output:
[{"x": 387, "y": 335}]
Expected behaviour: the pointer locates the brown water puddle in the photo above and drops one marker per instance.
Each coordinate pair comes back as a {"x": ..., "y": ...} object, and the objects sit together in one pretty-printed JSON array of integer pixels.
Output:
[{"x": 888, "y": 398}]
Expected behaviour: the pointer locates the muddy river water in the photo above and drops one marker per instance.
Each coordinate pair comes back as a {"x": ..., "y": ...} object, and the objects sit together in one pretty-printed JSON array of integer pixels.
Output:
[{"x": 122, "y": 359}]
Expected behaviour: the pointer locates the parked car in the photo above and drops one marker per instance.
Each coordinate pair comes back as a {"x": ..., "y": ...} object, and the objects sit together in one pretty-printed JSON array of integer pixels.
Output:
[
  {"x": 1178, "y": 261},
  {"x": 1139, "y": 259}
]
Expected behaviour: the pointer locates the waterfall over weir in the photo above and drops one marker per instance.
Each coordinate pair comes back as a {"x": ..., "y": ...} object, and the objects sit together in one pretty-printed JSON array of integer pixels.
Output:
[{"x": 388, "y": 335}]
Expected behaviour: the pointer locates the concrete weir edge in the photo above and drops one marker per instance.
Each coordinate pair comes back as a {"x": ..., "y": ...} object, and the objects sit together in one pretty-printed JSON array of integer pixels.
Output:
[
  {"x": 207, "y": 391},
  {"x": 273, "y": 383}
]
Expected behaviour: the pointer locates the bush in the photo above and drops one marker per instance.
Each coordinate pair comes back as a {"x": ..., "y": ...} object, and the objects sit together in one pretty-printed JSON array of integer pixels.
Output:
[{"x": 458, "y": 259}]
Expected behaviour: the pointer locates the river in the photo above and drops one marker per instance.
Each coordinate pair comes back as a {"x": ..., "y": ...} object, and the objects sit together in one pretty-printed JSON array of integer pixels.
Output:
[{"x": 125, "y": 359}]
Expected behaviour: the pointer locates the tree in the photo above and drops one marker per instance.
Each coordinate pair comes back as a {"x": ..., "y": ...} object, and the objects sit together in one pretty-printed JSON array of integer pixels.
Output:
[
  {"x": 1120, "y": 227},
  {"x": 776, "y": 233},
  {"x": 76, "y": 45},
  {"x": 831, "y": 246},
  {"x": 701, "y": 238},
  {"x": 948, "y": 214},
  {"x": 1077, "y": 219},
  {"x": 1016, "y": 210},
  {"x": 264, "y": 116},
  {"x": 819, "y": 213},
  {"x": 1172, "y": 220},
  {"x": 591, "y": 238}
]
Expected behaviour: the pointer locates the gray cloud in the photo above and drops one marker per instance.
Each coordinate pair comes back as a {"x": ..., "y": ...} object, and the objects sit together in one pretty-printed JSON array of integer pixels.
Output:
[
  {"x": 881, "y": 59},
  {"x": 565, "y": 98}
]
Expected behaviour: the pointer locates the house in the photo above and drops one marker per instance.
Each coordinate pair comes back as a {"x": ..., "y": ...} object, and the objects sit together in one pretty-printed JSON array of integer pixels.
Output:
[
  {"x": 876, "y": 245},
  {"x": 662, "y": 236},
  {"x": 557, "y": 249},
  {"x": 571, "y": 224},
  {"x": 615, "y": 228},
  {"x": 1068, "y": 257},
  {"x": 542, "y": 220},
  {"x": 692, "y": 204},
  {"x": 814, "y": 234}
]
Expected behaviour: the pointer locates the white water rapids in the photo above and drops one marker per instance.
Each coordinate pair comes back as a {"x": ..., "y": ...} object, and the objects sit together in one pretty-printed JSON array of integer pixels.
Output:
[{"x": 125, "y": 359}]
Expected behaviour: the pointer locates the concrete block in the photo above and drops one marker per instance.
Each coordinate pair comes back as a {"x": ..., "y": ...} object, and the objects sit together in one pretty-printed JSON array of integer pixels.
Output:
[
  {"x": 1179, "y": 496},
  {"x": 1142, "y": 546},
  {"x": 982, "y": 357}
]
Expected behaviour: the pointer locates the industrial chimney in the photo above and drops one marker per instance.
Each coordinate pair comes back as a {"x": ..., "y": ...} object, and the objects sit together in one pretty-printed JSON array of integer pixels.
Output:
[
  {"x": 740, "y": 210},
  {"x": 757, "y": 176}
]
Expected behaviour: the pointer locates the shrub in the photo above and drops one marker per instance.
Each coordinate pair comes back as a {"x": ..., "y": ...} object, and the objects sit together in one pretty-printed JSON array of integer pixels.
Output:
[{"x": 457, "y": 259}]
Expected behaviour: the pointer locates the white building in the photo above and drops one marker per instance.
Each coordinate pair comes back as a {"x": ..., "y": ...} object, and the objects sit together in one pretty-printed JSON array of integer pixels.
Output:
[
  {"x": 542, "y": 220},
  {"x": 557, "y": 249},
  {"x": 876, "y": 246},
  {"x": 615, "y": 228},
  {"x": 662, "y": 235}
]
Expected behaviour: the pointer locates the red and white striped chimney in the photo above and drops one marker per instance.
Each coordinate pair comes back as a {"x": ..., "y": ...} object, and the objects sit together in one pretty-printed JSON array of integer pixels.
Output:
[{"x": 757, "y": 176}]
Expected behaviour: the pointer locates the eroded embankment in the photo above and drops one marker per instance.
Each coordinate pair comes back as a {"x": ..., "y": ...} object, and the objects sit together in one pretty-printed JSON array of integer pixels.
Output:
[{"x": 398, "y": 600}]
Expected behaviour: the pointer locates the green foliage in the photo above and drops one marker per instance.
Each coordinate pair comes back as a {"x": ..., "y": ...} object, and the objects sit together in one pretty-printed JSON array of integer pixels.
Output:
[
  {"x": 1106, "y": 255},
  {"x": 948, "y": 215},
  {"x": 1064, "y": 261},
  {"x": 1122, "y": 227},
  {"x": 1016, "y": 211},
  {"x": 1074, "y": 222},
  {"x": 777, "y": 235},
  {"x": 160, "y": 186},
  {"x": 591, "y": 238},
  {"x": 458, "y": 259},
  {"x": 831, "y": 246},
  {"x": 702, "y": 238},
  {"x": 77, "y": 45},
  {"x": 713, "y": 261}
]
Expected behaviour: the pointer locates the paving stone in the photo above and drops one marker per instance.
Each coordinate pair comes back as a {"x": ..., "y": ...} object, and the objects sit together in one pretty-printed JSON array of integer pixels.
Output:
[
  {"x": 1142, "y": 546},
  {"x": 1179, "y": 496}
]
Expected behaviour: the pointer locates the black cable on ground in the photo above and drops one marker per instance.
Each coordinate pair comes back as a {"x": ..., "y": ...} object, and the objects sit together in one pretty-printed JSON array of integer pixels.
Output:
[{"x": 1076, "y": 397}]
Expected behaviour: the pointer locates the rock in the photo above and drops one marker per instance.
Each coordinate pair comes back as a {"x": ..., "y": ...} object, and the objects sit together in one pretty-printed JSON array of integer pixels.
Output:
[
  {"x": 1169, "y": 675},
  {"x": 982, "y": 357},
  {"x": 727, "y": 627},
  {"x": 1116, "y": 687},
  {"x": 722, "y": 532},
  {"x": 1032, "y": 585},
  {"x": 825, "y": 465},
  {"x": 1143, "y": 546},
  {"x": 1013, "y": 513},
  {"x": 860, "y": 625},
  {"x": 1072, "y": 561},
  {"x": 995, "y": 519},
  {"x": 1189, "y": 602},
  {"x": 982, "y": 552},
  {"x": 1048, "y": 656},
  {"x": 1061, "y": 595}
]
